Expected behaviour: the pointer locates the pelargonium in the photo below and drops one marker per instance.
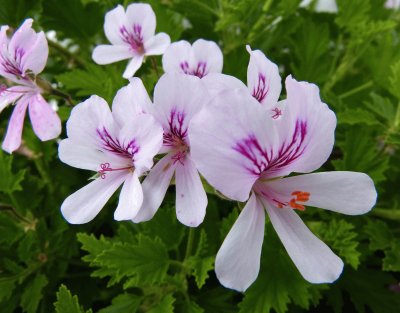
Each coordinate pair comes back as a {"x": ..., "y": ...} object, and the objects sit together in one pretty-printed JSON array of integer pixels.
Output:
[
  {"x": 199, "y": 59},
  {"x": 22, "y": 58},
  {"x": 119, "y": 147},
  {"x": 252, "y": 158},
  {"x": 131, "y": 34}
]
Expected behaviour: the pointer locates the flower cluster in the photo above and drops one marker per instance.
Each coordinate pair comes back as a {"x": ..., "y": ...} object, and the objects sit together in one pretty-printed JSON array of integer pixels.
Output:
[{"x": 200, "y": 124}]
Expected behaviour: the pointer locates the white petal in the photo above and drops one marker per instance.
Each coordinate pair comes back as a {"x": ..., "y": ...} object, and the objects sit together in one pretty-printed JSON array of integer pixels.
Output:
[
  {"x": 81, "y": 156},
  {"x": 148, "y": 137},
  {"x": 12, "y": 140},
  {"x": 35, "y": 58},
  {"x": 45, "y": 122},
  {"x": 154, "y": 187},
  {"x": 86, "y": 118},
  {"x": 83, "y": 205},
  {"x": 133, "y": 66},
  {"x": 175, "y": 54},
  {"x": 130, "y": 100},
  {"x": 314, "y": 259},
  {"x": 157, "y": 44},
  {"x": 106, "y": 54},
  {"x": 10, "y": 95},
  {"x": 179, "y": 93},
  {"x": 143, "y": 15},
  {"x": 130, "y": 199},
  {"x": 238, "y": 260},
  {"x": 305, "y": 110},
  {"x": 214, "y": 144},
  {"x": 208, "y": 52},
  {"x": 263, "y": 78},
  {"x": 216, "y": 83},
  {"x": 113, "y": 21},
  {"x": 191, "y": 199},
  {"x": 349, "y": 193}
]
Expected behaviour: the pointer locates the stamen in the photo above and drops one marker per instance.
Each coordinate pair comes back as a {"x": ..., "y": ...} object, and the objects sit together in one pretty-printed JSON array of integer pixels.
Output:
[
  {"x": 105, "y": 167},
  {"x": 277, "y": 113}
]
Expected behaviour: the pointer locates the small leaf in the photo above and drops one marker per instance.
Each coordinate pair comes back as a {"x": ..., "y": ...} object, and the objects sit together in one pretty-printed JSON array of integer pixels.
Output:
[
  {"x": 123, "y": 303},
  {"x": 201, "y": 263},
  {"x": 66, "y": 303},
  {"x": 33, "y": 293},
  {"x": 9, "y": 181},
  {"x": 165, "y": 306}
]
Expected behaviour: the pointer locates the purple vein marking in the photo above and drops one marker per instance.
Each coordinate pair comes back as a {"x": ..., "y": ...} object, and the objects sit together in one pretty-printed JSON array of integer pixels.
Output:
[
  {"x": 264, "y": 160},
  {"x": 113, "y": 145}
]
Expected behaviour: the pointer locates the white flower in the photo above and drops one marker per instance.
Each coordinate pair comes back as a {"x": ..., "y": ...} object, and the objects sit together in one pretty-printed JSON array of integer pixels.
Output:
[
  {"x": 199, "y": 59},
  {"x": 131, "y": 34}
]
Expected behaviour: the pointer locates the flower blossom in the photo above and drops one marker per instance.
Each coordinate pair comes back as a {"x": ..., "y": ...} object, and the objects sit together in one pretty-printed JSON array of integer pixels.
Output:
[
  {"x": 263, "y": 81},
  {"x": 177, "y": 98},
  {"x": 118, "y": 145},
  {"x": 199, "y": 59},
  {"x": 131, "y": 34},
  {"x": 21, "y": 58},
  {"x": 246, "y": 154}
]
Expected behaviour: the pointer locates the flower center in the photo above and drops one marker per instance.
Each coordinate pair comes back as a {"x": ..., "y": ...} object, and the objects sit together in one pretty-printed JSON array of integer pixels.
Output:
[
  {"x": 134, "y": 37},
  {"x": 175, "y": 137}
]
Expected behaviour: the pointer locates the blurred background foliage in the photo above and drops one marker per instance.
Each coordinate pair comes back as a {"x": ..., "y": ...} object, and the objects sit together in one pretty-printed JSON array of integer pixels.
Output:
[{"x": 161, "y": 266}]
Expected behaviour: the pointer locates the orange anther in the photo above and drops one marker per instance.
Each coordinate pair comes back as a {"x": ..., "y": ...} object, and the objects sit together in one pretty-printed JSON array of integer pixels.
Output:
[
  {"x": 296, "y": 206},
  {"x": 295, "y": 193}
]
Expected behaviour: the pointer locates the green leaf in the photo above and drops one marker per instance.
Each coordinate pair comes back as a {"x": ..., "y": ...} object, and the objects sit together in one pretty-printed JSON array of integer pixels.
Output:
[
  {"x": 165, "y": 226},
  {"x": 166, "y": 305},
  {"x": 369, "y": 288},
  {"x": 9, "y": 181},
  {"x": 395, "y": 79},
  {"x": 143, "y": 262},
  {"x": 279, "y": 283},
  {"x": 13, "y": 12},
  {"x": 362, "y": 155},
  {"x": 357, "y": 116},
  {"x": 123, "y": 303},
  {"x": 72, "y": 19},
  {"x": 352, "y": 13},
  {"x": 201, "y": 263},
  {"x": 193, "y": 307},
  {"x": 391, "y": 262},
  {"x": 94, "y": 80},
  {"x": 10, "y": 231},
  {"x": 379, "y": 235},
  {"x": 33, "y": 293},
  {"x": 382, "y": 107},
  {"x": 66, "y": 303},
  {"x": 341, "y": 237},
  {"x": 7, "y": 285}
]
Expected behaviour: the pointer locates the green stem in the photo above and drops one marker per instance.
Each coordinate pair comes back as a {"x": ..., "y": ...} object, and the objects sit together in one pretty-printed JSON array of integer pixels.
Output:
[
  {"x": 356, "y": 90},
  {"x": 393, "y": 215},
  {"x": 154, "y": 63},
  {"x": 397, "y": 118},
  {"x": 66, "y": 53},
  {"x": 43, "y": 173},
  {"x": 189, "y": 245},
  {"x": 13, "y": 211}
]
